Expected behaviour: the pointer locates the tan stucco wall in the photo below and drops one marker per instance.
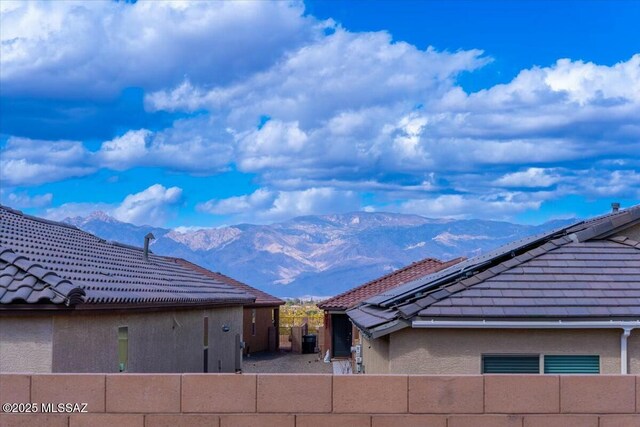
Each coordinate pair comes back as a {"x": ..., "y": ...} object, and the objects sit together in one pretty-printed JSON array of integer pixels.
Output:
[
  {"x": 633, "y": 350},
  {"x": 375, "y": 355},
  {"x": 459, "y": 351},
  {"x": 166, "y": 341},
  {"x": 222, "y": 344},
  {"x": 631, "y": 232},
  {"x": 25, "y": 344},
  {"x": 259, "y": 341}
]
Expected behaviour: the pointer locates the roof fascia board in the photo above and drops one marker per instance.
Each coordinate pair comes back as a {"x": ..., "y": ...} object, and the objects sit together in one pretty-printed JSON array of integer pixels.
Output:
[
  {"x": 264, "y": 304},
  {"x": 387, "y": 328},
  {"x": 515, "y": 324},
  {"x": 6, "y": 309}
]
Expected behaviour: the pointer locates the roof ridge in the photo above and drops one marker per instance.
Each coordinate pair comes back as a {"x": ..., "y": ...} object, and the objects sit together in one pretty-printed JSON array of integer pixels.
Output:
[
  {"x": 410, "y": 308},
  {"x": 604, "y": 225},
  {"x": 71, "y": 294},
  {"x": 42, "y": 220},
  {"x": 72, "y": 227},
  {"x": 390, "y": 275}
]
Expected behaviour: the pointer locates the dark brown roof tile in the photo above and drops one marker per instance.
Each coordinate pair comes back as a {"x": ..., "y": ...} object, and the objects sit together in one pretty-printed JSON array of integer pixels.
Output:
[
  {"x": 609, "y": 285},
  {"x": 56, "y": 263},
  {"x": 262, "y": 298}
]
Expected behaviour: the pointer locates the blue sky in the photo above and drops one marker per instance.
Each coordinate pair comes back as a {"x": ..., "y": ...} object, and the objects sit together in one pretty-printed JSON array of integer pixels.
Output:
[{"x": 211, "y": 113}]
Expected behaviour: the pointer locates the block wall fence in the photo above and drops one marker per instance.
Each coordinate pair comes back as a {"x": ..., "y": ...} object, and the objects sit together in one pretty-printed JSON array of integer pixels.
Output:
[{"x": 270, "y": 400}]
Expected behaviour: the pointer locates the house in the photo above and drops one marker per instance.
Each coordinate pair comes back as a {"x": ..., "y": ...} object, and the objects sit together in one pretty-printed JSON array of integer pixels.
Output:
[
  {"x": 566, "y": 301},
  {"x": 72, "y": 302},
  {"x": 261, "y": 318},
  {"x": 340, "y": 335}
]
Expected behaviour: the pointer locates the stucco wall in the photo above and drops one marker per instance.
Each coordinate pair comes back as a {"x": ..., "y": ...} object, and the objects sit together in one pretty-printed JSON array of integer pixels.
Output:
[
  {"x": 375, "y": 355},
  {"x": 166, "y": 341},
  {"x": 25, "y": 344},
  {"x": 259, "y": 341},
  {"x": 459, "y": 351}
]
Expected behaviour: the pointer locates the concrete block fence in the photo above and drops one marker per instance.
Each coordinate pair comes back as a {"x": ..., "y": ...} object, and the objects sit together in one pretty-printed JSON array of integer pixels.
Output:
[{"x": 237, "y": 400}]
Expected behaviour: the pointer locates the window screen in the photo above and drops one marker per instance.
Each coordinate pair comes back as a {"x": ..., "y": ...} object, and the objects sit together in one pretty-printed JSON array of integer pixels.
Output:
[
  {"x": 503, "y": 364},
  {"x": 123, "y": 348},
  {"x": 205, "y": 332},
  {"x": 205, "y": 344},
  {"x": 571, "y": 364}
]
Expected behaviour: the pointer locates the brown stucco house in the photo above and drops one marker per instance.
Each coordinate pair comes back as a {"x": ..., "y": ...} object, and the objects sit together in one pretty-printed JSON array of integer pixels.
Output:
[
  {"x": 340, "y": 335},
  {"x": 261, "y": 318},
  {"x": 72, "y": 302},
  {"x": 566, "y": 301}
]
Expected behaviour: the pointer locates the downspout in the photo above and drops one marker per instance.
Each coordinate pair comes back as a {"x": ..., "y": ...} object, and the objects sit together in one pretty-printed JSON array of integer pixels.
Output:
[{"x": 624, "y": 356}]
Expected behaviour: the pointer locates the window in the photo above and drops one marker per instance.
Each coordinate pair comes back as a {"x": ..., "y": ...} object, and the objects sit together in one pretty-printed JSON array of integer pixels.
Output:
[
  {"x": 123, "y": 348},
  {"x": 511, "y": 364},
  {"x": 205, "y": 332},
  {"x": 570, "y": 364},
  {"x": 253, "y": 321}
]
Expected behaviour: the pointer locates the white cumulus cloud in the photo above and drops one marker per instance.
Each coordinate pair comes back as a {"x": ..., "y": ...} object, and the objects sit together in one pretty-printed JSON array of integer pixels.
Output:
[
  {"x": 97, "y": 48},
  {"x": 499, "y": 206},
  {"x": 151, "y": 206},
  {"x": 321, "y": 116},
  {"x": 22, "y": 200},
  {"x": 26, "y": 161},
  {"x": 532, "y": 177},
  {"x": 265, "y": 205}
]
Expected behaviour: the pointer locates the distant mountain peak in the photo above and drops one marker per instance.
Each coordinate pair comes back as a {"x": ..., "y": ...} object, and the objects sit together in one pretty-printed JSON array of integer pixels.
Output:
[
  {"x": 99, "y": 216},
  {"x": 317, "y": 254}
]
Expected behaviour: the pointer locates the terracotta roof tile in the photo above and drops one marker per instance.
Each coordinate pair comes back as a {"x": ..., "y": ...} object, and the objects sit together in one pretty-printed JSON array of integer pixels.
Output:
[{"x": 401, "y": 276}]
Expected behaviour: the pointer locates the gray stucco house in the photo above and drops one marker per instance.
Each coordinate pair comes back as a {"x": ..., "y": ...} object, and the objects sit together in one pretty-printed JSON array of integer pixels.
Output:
[
  {"x": 566, "y": 301},
  {"x": 261, "y": 318},
  {"x": 72, "y": 302}
]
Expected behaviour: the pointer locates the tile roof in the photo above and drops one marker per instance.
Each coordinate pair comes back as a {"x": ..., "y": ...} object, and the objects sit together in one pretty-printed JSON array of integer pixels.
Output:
[
  {"x": 579, "y": 271},
  {"x": 396, "y": 295},
  {"x": 594, "y": 278},
  {"x": 262, "y": 298},
  {"x": 582, "y": 229},
  {"x": 398, "y": 277},
  {"x": 43, "y": 261},
  {"x": 20, "y": 279}
]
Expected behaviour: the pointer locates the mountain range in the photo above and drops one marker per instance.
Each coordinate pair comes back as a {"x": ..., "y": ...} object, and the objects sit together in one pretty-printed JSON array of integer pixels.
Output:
[{"x": 317, "y": 255}]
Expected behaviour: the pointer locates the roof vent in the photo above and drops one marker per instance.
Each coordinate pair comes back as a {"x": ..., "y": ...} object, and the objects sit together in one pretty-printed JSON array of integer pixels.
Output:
[
  {"x": 615, "y": 207},
  {"x": 147, "y": 238}
]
